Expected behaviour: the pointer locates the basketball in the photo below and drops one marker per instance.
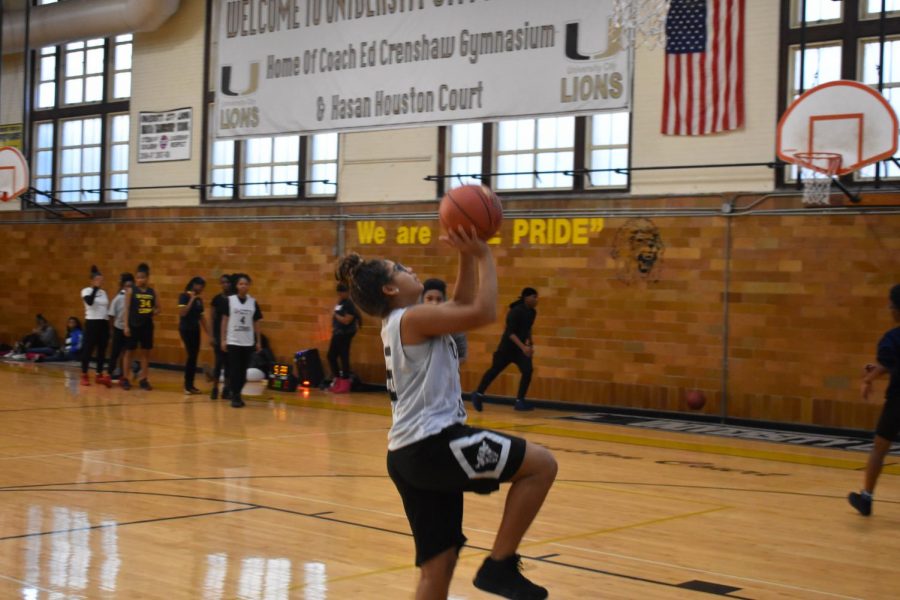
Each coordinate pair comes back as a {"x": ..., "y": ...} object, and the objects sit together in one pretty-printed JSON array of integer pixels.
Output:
[
  {"x": 469, "y": 205},
  {"x": 695, "y": 399}
]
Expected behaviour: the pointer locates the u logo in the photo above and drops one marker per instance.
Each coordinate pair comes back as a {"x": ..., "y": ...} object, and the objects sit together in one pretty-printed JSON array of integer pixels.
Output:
[
  {"x": 252, "y": 85},
  {"x": 573, "y": 51}
]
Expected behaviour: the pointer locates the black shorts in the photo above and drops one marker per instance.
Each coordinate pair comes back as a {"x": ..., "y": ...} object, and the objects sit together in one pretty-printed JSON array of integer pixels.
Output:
[
  {"x": 889, "y": 421},
  {"x": 142, "y": 336},
  {"x": 431, "y": 476}
]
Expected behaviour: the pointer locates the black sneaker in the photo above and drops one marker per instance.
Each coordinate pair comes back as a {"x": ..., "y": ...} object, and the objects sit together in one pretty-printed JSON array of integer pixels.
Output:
[
  {"x": 145, "y": 385},
  {"x": 126, "y": 385},
  {"x": 237, "y": 403},
  {"x": 521, "y": 405},
  {"x": 860, "y": 502},
  {"x": 226, "y": 393},
  {"x": 477, "y": 402},
  {"x": 504, "y": 578},
  {"x": 214, "y": 393}
]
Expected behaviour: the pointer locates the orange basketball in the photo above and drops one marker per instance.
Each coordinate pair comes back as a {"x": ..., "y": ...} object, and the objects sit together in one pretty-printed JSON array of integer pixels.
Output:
[
  {"x": 695, "y": 399},
  {"x": 469, "y": 205}
]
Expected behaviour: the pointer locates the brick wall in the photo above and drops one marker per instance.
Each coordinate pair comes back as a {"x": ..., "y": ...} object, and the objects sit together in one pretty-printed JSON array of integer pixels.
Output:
[{"x": 806, "y": 304}]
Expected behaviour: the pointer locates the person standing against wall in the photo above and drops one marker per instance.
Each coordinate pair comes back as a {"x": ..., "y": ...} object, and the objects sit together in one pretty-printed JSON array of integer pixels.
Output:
[
  {"x": 219, "y": 306},
  {"x": 345, "y": 321},
  {"x": 96, "y": 328},
  {"x": 141, "y": 305},
  {"x": 117, "y": 319},
  {"x": 515, "y": 346},
  {"x": 240, "y": 335},
  {"x": 190, "y": 311}
]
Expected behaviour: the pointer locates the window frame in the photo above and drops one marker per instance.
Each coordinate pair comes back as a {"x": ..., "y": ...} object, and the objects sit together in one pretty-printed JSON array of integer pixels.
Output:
[
  {"x": 848, "y": 32},
  {"x": 239, "y": 164},
  {"x": 581, "y": 181},
  {"x": 104, "y": 109}
]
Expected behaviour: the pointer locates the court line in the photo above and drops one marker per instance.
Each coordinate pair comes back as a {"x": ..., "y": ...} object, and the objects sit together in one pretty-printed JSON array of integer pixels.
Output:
[
  {"x": 123, "y": 523},
  {"x": 27, "y": 583},
  {"x": 623, "y": 527},
  {"x": 705, "y": 571}
]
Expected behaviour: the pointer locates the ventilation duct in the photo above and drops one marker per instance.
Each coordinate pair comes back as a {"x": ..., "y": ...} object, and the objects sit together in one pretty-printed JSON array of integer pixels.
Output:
[{"x": 74, "y": 20}]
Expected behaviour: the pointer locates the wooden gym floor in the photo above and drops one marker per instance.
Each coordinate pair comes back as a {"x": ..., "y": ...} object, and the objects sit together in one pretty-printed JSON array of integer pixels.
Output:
[{"x": 113, "y": 494}]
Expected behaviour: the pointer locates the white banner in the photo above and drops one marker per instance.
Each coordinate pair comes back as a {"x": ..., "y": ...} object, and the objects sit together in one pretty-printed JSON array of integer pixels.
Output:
[
  {"x": 304, "y": 66},
  {"x": 165, "y": 135}
]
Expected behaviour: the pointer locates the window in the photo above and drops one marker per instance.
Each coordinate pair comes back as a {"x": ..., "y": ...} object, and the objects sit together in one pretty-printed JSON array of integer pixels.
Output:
[
  {"x": 80, "y": 127},
  {"x": 542, "y": 153},
  {"x": 270, "y": 167},
  {"x": 841, "y": 40}
]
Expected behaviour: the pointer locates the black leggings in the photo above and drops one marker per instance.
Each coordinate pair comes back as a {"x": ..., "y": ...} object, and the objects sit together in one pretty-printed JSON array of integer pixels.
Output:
[
  {"x": 191, "y": 339},
  {"x": 502, "y": 358},
  {"x": 340, "y": 349},
  {"x": 118, "y": 344},
  {"x": 238, "y": 362},
  {"x": 221, "y": 365},
  {"x": 96, "y": 336}
]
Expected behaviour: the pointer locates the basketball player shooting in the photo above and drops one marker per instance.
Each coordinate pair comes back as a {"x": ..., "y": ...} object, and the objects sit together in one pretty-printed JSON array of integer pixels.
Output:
[{"x": 433, "y": 456}]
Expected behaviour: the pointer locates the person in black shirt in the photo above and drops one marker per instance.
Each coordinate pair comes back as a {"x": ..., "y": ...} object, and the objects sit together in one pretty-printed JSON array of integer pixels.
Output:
[
  {"x": 515, "y": 347},
  {"x": 219, "y": 309},
  {"x": 141, "y": 305},
  {"x": 190, "y": 309},
  {"x": 888, "y": 361},
  {"x": 344, "y": 323}
]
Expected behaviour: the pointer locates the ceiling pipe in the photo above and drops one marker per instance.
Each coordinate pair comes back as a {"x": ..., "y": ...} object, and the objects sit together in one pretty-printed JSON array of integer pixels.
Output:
[{"x": 74, "y": 20}]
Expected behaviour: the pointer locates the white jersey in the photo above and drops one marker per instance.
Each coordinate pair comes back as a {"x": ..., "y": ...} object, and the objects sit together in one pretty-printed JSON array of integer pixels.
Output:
[
  {"x": 240, "y": 321},
  {"x": 99, "y": 309},
  {"x": 423, "y": 380}
]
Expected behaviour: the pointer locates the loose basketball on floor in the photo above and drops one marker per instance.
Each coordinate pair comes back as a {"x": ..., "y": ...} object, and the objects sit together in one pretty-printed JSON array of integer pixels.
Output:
[
  {"x": 470, "y": 205},
  {"x": 695, "y": 399}
]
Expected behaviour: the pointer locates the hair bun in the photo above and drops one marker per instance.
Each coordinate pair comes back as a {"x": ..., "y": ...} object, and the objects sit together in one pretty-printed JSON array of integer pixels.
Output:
[
  {"x": 347, "y": 268},
  {"x": 95, "y": 271},
  {"x": 143, "y": 268}
]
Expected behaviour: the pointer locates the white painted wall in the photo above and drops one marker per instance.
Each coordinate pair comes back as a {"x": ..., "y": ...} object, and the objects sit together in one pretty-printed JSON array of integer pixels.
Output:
[
  {"x": 755, "y": 142},
  {"x": 167, "y": 74}
]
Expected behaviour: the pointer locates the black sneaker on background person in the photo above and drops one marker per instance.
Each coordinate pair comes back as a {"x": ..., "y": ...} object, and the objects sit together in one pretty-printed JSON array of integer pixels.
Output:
[
  {"x": 237, "y": 402},
  {"x": 477, "y": 401},
  {"x": 145, "y": 385},
  {"x": 504, "y": 578},
  {"x": 126, "y": 385},
  {"x": 521, "y": 405}
]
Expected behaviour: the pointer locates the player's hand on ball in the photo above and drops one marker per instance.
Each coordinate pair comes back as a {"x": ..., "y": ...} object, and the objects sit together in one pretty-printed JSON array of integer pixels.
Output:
[{"x": 467, "y": 242}]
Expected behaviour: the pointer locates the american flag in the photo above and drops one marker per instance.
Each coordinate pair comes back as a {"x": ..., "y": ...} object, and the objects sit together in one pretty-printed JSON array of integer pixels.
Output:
[{"x": 704, "y": 88}]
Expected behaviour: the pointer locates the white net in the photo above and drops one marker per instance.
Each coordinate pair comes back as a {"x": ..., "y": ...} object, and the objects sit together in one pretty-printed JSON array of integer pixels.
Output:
[
  {"x": 641, "y": 22},
  {"x": 817, "y": 172}
]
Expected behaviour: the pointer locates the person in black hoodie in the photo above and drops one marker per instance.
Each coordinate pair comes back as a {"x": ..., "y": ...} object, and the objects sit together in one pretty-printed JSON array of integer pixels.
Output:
[
  {"x": 515, "y": 347},
  {"x": 888, "y": 362}
]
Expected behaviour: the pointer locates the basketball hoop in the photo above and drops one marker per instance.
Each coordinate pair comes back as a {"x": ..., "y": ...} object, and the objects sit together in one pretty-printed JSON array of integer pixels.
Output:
[
  {"x": 641, "y": 22},
  {"x": 13, "y": 173},
  {"x": 819, "y": 169}
]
